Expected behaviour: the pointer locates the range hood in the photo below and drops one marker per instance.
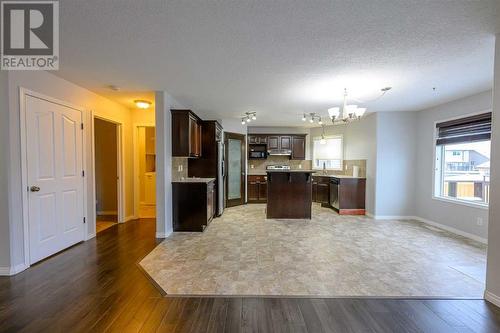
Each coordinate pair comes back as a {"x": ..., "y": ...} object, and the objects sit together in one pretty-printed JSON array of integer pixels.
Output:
[{"x": 279, "y": 152}]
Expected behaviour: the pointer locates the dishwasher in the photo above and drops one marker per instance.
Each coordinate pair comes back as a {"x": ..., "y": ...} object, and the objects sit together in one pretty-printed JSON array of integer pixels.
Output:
[{"x": 334, "y": 193}]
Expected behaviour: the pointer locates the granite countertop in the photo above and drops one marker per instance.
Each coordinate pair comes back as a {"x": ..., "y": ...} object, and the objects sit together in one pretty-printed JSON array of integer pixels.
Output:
[
  {"x": 194, "y": 180},
  {"x": 338, "y": 176},
  {"x": 257, "y": 173},
  {"x": 294, "y": 170}
]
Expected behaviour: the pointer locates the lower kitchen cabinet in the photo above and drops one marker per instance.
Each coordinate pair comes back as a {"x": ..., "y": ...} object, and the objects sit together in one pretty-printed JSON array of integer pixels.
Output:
[
  {"x": 321, "y": 190},
  {"x": 193, "y": 204},
  {"x": 257, "y": 188}
]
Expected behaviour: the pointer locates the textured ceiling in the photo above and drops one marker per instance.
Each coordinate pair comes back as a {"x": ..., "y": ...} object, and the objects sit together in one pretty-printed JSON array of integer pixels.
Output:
[{"x": 283, "y": 57}]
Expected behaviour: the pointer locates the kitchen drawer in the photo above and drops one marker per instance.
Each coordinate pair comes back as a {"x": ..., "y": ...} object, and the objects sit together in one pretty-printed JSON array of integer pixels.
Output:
[{"x": 257, "y": 178}]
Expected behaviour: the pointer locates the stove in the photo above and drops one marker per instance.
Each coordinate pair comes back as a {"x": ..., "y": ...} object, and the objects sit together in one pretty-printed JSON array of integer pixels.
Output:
[{"x": 278, "y": 167}]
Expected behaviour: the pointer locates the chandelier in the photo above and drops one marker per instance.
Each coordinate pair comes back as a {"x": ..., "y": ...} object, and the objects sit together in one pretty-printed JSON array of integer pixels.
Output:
[
  {"x": 349, "y": 112},
  {"x": 312, "y": 117},
  {"x": 248, "y": 117}
]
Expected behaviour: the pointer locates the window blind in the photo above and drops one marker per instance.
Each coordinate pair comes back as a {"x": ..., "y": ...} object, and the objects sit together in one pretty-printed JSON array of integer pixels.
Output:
[{"x": 463, "y": 130}]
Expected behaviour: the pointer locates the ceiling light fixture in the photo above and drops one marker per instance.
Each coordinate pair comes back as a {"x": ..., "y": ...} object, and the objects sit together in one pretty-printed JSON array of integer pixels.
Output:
[
  {"x": 248, "y": 117},
  {"x": 142, "y": 104},
  {"x": 323, "y": 139},
  {"x": 312, "y": 117},
  {"x": 349, "y": 112}
]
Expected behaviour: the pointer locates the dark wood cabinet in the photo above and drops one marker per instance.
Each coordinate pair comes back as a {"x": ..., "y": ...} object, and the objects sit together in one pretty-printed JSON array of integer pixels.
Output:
[
  {"x": 273, "y": 142},
  {"x": 186, "y": 134},
  {"x": 193, "y": 205},
  {"x": 257, "y": 188},
  {"x": 321, "y": 190},
  {"x": 298, "y": 148},
  {"x": 285, "y": 142},
  {"x": 206, "y": 166},
  {"x": 257, "y": 139}
]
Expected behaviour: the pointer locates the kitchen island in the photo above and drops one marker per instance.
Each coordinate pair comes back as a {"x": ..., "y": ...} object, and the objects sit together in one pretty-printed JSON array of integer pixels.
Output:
[{"x": 289, "y": 194}]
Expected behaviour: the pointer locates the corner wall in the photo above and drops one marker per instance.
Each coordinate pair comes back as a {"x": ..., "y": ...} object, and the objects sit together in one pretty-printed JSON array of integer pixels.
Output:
[{"x": 396, "y": 160}]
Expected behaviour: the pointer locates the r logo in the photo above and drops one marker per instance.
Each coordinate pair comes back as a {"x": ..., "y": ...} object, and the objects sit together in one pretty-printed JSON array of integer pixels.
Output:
[{"x": 30, "y": 35}]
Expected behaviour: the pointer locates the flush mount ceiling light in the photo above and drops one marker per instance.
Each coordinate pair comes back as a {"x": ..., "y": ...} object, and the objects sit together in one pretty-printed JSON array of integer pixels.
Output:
[
  {"x": 312, "y": 117},
  {"x": 349, "y": 112},
  {"x": 142, "y": 104},
  {"x": 248, "y": 117}
]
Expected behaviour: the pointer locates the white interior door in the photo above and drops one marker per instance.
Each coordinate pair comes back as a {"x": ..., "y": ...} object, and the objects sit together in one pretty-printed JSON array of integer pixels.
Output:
[{"x": 55, "y": 180}]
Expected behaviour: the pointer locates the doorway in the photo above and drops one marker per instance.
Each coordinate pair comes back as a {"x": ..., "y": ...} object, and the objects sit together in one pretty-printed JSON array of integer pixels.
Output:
[
  {"x": 145, "y": 171},
  {"x": 106, "y": 159},
  {"x": 235, "y": 171}
]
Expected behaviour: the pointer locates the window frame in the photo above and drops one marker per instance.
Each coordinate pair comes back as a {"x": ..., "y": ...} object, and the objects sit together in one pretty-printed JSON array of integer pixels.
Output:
[
  {"x": 317, "y": 138},
  {"x": 434, "y": 186}
]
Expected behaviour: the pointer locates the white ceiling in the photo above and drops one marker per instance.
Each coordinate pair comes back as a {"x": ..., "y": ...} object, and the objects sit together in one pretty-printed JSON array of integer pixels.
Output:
[{"x": 280, "y": 58}]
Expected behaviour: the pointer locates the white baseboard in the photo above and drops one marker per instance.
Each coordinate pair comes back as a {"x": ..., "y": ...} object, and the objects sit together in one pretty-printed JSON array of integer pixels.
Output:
[
  {"x": 162, "y": 234},
  {"x": 452, "y": 230},
  {"x": 492, "y": 298},
  {"x": 13, "y": 270},
  {"x": 391, "y": 217},
  {"x": 130, "y": 218},
  {"x": 107, "y": 212},
  {"x": 90, "y": 236},
  {"x": 432, "y": 223}
]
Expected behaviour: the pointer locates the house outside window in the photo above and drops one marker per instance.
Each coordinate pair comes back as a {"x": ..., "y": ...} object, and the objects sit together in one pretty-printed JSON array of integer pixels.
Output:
[
  {"x": 462, "y": 165},
  {"x": 328, "y": 155}
]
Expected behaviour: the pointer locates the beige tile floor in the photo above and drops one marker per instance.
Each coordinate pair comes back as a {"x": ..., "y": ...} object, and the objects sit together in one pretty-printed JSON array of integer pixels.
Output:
[{"x": 242, "y": 253}]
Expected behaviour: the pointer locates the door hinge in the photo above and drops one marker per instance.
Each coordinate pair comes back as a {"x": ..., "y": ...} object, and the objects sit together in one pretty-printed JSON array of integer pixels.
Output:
[
  {"x": 83, "y": 173},
  {"x": 81, "y": 125},
  {"x": 84, "y": 220}
]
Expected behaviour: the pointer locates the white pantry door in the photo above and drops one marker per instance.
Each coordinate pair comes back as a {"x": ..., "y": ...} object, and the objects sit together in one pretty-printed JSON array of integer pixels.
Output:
[{"x": 55, "y": 180}]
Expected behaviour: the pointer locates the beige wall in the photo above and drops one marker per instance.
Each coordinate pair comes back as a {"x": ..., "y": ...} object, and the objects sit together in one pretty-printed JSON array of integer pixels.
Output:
[
  {"x": 4, "y": 174},
  {"x": 493, "y": 269},
  {"x": 55, "y": 87},
  {"x": 106, "y": 171}
]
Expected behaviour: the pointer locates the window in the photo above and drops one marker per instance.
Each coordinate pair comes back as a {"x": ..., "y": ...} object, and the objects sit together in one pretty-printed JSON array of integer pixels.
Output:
[
  {"x": 329, "y": 154},
  {"x": 463, "y": 159}
]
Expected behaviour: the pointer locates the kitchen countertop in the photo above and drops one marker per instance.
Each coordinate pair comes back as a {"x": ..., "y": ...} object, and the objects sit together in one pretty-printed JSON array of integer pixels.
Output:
[
  {"x": 338, "y": 176},
  {"x": 194, "y": 180},
  {"x": 294, "y": 170},
  {"x": 263, "y": 173}
]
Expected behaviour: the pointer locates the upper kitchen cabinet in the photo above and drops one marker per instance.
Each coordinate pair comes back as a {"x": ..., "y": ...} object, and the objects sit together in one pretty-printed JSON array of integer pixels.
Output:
[
  {"x": 285, "y": 142},
  {"x": 257, "y": 139},
  {"x": 298, "y": 148},
  {"x": 186, "y": 134},
  {"x": 273, "y": 142}
]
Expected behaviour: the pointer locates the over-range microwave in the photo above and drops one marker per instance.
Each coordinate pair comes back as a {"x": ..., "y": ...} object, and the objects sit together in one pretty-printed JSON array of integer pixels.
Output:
[{"x": 257, "y": 154}]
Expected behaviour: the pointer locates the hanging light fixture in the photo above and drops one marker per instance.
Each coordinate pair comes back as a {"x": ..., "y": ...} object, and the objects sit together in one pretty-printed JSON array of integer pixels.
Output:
[
  {"x": 248, "y": 117},
  {"x": 323, "y": 139},
  {"x": 349, "y": 112}
]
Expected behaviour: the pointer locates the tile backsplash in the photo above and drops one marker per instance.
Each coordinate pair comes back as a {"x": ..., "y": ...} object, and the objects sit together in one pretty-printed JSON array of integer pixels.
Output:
[
  {"x": 259, "y": 166},
  {"x": 179, "y": 163}
]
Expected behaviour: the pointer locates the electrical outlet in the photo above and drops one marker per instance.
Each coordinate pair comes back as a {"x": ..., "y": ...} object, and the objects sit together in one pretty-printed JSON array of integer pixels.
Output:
[
  {"x": 179, "y": 168},
  {"x": 479, "y": 221},
  {"x": 251, "y": 166},
  {"x": 300, "y": 166}
]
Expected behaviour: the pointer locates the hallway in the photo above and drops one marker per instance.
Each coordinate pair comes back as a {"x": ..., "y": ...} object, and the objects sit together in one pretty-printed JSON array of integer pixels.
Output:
[{"x": 98, "y": 286}]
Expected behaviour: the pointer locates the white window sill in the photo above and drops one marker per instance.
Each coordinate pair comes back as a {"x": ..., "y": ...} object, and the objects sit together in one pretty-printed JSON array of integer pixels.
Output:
[{"x": 462, "y": 203}]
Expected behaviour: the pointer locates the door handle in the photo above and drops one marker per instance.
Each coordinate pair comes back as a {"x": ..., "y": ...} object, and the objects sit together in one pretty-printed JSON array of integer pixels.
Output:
[{"x": 34, "y": 189}]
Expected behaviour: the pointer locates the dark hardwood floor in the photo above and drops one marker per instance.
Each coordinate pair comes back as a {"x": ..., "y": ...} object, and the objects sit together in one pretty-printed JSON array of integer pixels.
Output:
[{"x": 96, "y": 286}]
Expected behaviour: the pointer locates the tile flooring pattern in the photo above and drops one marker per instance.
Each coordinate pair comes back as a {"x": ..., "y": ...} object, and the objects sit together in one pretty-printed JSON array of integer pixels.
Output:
[{"x": 242, "y": 253}]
